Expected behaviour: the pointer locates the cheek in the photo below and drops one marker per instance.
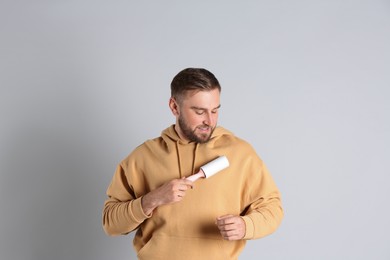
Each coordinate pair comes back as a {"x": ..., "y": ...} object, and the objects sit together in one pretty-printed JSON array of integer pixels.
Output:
[
  {"x": 215, "y": 116},
  {"x": 194, "y": 121},
  {"x": 188, "y": 118}
]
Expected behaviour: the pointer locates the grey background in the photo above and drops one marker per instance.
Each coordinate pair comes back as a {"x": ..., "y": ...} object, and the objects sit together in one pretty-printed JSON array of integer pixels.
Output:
[{"x": 84, "y": 82}]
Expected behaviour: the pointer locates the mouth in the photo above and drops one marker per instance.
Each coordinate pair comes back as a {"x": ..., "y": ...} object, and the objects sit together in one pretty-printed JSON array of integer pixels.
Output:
[{"x": 204, "y": 129}]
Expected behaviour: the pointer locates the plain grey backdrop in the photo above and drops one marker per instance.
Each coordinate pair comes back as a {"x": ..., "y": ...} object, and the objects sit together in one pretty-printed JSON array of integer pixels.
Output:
[{"x": 84, "y": 82}]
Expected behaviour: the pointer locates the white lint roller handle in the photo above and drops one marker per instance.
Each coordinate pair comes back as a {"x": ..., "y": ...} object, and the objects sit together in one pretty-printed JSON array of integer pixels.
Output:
[{"x": 210, "y": 168}]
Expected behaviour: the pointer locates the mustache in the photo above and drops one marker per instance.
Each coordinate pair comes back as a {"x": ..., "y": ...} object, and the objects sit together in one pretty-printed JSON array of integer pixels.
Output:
[{"x": 204, "y": 126}]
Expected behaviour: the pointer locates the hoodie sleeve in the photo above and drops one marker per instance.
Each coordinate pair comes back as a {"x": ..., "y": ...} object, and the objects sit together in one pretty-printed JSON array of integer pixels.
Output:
[
  {"x": 264, "y": 213},
  {"x": 122, "y": 212}
]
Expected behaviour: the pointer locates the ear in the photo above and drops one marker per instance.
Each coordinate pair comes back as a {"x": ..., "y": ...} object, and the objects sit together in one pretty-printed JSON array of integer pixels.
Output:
[{"x": 173, "y": 106}]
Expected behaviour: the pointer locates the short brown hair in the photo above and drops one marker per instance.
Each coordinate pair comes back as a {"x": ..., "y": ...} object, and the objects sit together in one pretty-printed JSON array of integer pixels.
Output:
[{"x": 193, "y": 79}]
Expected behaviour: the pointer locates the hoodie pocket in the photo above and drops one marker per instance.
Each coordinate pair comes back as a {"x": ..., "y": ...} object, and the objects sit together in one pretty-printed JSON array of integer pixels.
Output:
[{"x": 174, "y": 248}]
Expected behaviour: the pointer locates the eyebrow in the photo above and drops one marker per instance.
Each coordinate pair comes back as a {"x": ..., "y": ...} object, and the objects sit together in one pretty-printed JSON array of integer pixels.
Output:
[{"x": 200, "y": 108}]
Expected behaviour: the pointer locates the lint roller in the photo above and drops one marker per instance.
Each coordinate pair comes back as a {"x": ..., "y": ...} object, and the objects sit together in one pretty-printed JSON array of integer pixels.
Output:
[{"x": 210, "y": 168}]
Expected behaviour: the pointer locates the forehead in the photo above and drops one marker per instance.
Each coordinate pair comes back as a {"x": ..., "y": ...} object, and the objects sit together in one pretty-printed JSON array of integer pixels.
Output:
[{"x": 202, "y": 98}]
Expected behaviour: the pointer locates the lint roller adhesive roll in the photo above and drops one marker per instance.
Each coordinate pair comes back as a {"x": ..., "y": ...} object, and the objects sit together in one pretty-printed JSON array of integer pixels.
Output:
[{"x": 210, "y": 168}]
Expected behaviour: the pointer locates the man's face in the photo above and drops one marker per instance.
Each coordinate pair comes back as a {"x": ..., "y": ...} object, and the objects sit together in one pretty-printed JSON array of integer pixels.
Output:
[{"x": 197, "y": 115}]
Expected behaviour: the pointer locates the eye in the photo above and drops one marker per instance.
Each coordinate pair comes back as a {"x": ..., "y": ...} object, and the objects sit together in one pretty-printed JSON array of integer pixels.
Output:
[
  {"x": 199, "y": 112},
  {"x": 214, "y": 111}
]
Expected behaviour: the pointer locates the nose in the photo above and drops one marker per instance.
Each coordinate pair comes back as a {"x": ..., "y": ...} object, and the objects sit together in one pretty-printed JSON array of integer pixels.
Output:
[{"x": 209, "y": 119}]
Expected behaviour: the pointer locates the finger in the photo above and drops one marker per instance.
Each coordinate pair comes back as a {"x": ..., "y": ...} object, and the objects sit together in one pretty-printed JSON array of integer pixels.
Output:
[
  {"x": 228, "y": 227},
  {"x": 184, "y": 187},
  {"x": 230, "y": 234},
  {"x": 234, "y": 234},
  {"x": 188, "y": 183},
  {"x": 179, "y": 194},
  {"x": 225, "y": 220},
  {"x": 231, "y": 238},
  {"x": 225, "y": 217}
]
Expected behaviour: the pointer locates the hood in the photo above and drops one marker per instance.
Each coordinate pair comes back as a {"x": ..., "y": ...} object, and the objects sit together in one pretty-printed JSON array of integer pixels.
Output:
[
  {"x": 187, "y": 152},
  {"x": 170, "y": 135}
]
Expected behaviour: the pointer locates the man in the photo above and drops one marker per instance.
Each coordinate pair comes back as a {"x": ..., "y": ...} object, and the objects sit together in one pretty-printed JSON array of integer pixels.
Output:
[{"x": 176, "y": 218}]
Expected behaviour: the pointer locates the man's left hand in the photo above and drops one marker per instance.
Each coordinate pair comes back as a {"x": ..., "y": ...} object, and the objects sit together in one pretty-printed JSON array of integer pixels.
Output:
[{"x": 231, "y": 227}]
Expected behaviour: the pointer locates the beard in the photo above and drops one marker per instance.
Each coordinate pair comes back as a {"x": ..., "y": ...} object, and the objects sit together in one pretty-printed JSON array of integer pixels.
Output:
[{"x": 190, "y": 133}]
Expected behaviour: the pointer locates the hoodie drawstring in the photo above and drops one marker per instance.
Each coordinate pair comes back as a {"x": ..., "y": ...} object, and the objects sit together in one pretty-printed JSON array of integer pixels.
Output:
[
  {"x": 193, "y": 162},
  {"x": 179, "y": 159},
  {"x": 181, "y": 174}
]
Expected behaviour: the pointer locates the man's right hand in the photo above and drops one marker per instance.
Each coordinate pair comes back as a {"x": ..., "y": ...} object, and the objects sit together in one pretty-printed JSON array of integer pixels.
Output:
[{"x": 170, "y": 192}]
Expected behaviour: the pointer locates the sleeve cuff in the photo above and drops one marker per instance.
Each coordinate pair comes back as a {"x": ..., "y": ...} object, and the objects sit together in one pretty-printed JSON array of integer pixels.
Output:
[
  {"x": 137, "y": 210},
  {"x": 249, "y": 227}
]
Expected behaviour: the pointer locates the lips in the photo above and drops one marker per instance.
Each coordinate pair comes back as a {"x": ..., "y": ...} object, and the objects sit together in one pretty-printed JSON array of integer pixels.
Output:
[
  {"x": 204, "y": 128},
  {"x": 204, "y": 132}
]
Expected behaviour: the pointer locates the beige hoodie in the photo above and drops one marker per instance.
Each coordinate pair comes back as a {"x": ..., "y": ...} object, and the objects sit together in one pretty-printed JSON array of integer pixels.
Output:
[{"x": 187, "y": 230}]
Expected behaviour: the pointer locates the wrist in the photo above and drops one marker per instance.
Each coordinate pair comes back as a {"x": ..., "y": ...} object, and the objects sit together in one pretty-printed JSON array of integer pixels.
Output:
[{"x": 148, "y": 204}]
